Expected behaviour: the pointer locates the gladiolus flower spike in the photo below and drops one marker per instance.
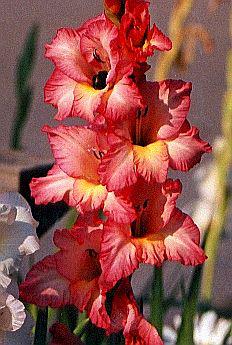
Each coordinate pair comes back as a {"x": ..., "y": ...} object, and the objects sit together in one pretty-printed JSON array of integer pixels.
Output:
[{"x": 114, "y": 169}]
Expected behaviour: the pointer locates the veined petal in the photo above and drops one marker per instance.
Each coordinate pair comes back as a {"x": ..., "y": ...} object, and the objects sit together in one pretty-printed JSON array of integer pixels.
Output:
[
  {"x": 59, "y": 91},
  {"x": 118, "y": 255},
  {"x": 98, "y": 313},
  {"x": 64, "y": 52},
  {"x": 73, "y": 148},
  {"x": 54, "y": 187},
  {"x": 182, "y": 239},
  {"x": 124, "y": 100},
  {"x": 186, "y": 150},
  {"x": 117, "y": 167},
  {"x": 138, "y": 331},
  {"x": 89, "y": 196},
  {"x": 86, "y": 101},
  {"x": 45, "y": 286},
  {"x": 168, "y": 104},
  {"x": 152, "y": 161},
  {"x": 118, "y": 209}
]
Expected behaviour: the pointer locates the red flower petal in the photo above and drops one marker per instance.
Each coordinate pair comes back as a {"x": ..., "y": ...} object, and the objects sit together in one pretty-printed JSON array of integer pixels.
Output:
[
  {"x": 182, "y": 239},
  {"x": 152, "y": 161},
  {"x": 138, "y": 331},
  {"x": 59, "y": 91},
  {"x": 118, "y": 255},
  {"x": 124, "y": 100},
  {"x": 45, "y": 286},
  {"x": 89, "y": 196},
  {"x": 117, "y": 167},
  {"x": 73, "y": 149},
  {"x": 54, "y": 187},
  {"x": 64, "y": 52},
  {"x": 158, "y": 40},
  {"x": 186, "y": 150},
  {"x": 118, "y": 209},
  {"x": 86, "y": 101},
  {"x": 168, "y": 104}
]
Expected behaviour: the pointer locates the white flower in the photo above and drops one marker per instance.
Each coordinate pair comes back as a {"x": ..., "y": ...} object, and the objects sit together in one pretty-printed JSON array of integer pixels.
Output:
[
  {"x": 208, "y": 330},
  {"x": 17, "y": 233}
]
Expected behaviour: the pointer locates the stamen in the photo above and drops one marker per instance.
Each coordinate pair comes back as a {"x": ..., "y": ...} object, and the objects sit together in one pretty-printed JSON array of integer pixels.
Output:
[
  {"x": 92, "y": 253},
  {"x": 97, "y": 56}
]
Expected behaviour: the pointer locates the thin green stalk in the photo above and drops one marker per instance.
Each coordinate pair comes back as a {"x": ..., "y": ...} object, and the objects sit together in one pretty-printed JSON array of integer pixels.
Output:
[
  {"x": 165, "y": 60},
  {"x": 156, "y": 301},
  {"x": 41, "y": 327},
  {"x": 223, "y": 161},
  {"x": 185, "y": 334}
]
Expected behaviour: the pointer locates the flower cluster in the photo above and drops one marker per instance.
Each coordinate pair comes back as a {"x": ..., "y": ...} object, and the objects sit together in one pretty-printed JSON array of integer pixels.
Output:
[
  {"x": 17, "y": 238},
  {"x": 114, "y": 169}
]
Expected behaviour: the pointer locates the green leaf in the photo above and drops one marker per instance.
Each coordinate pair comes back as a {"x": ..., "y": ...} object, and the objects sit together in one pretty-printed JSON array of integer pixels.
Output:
[{"x": 26, "y": 60}]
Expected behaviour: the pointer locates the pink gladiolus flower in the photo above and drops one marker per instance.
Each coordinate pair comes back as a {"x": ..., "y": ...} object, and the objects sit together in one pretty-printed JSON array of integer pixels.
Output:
[
  {"x": 155, "y": 140},
  {"x": 74, "y": 177},
  {"x": 160, "y": 232},
  {"x": 90, "y": 77}
]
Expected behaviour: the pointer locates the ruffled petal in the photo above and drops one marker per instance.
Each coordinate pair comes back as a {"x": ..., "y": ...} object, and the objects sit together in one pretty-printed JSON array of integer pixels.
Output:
[
  {"x": 12, "y": 315},
  {"x": 152, "y": 161},
  {"x": 118, "y": 255},
  {"x": 59, "y": 91},
  {"x": 138, "y": 331},
  {"x": 54, "y": 187},
  {"x": 117, "y": 167},
  {"x": 124, "y": 100},
  {"x": 168, "y": 104},
  {"x": 186, "y": 150},
  {"x": 181, "y": 239},
  {"x": 45, "y": 286},
  {"x": 98, "y": 313},
  {"x": 64, "y": 52},
  {"x": 73, "y": 148},
  {"x": 158, "y": 40},
  {"x": 118, "y": 209}
]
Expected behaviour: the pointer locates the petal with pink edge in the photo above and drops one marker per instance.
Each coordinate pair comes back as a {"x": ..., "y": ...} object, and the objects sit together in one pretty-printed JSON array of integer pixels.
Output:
[
  {"x": 152, "y": 161},
  {"x": 138, "y": 331},
  {"x": 59, "y": 91},
  {"x": 181, "y": 239},
  {"x": 117, "y": 168},
  {"x": 118, "y": 209},
  {"x": 124, "y": 100},
  {"x": 87, "y": 101},
  {"x": 44, "y": 286},
  {"x": 54, "y": 187},
  {"x": 168, "y": 104},
  {"x": 186, "y": 150},
  {"x": 98, "y": 313},
  {"x": 158, "y": 40},
  {"x": 73, "y": 148},
  {"x": 89, "y": 196},
  {"x": 117, "y": 256},
  {"x": 64, "y": 52}
]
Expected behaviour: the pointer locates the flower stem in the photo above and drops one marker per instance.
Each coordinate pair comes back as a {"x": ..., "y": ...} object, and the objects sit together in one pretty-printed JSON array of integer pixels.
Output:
[
  {"x": 156, "y": 301},
  {"x": 179, "y": 14},
  {"x": 41, "y": 327}
]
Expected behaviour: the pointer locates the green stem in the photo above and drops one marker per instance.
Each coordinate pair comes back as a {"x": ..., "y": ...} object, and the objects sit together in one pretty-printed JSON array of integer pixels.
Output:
[
  {"x": 41, "y": 327},
  {"x": 223, "y": 160},
  {"x": 156, "y": 301}
]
